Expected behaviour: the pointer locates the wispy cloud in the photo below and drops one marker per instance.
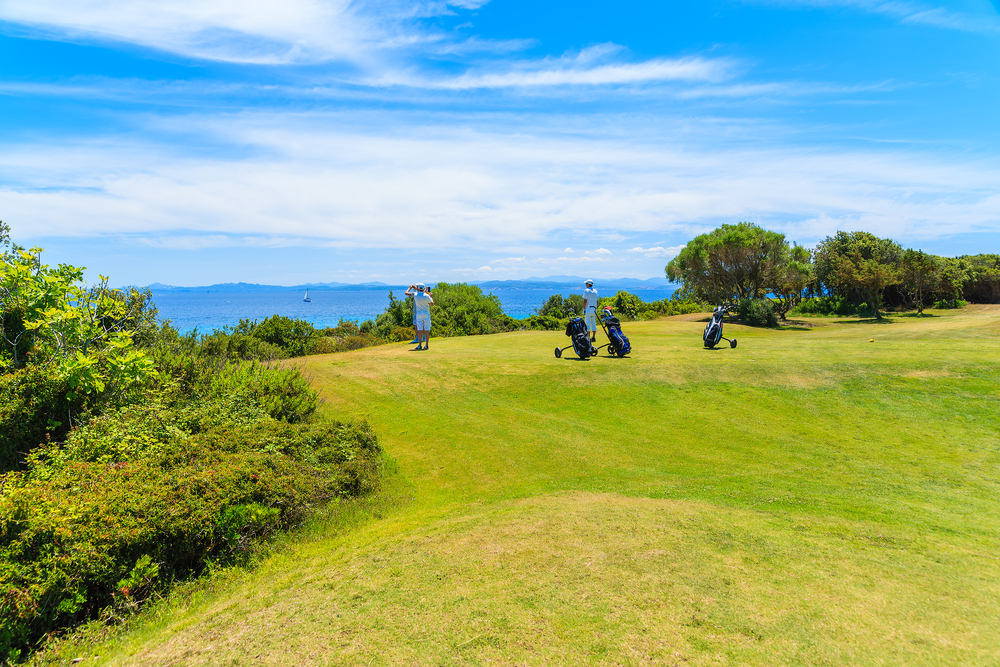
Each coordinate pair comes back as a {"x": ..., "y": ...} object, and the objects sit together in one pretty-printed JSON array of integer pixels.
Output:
[
  {"x": 293, "y": 31},
  {"x": 907, "y": 11},
  {"x": 314, "y": 182},
  {"x": 658, "y": 251},
  {"x": 597, "y": 65}
]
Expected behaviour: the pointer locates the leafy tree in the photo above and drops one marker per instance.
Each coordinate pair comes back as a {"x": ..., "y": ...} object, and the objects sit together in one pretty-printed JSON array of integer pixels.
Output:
[
  {"x": 85, "y": 336},
  {"x": 732, "y": 262},
  {"x": 557, "y": 306},
  {"x": 983, "y": 284},
  {"x": 858, "y": 262},
  {"x": 920, "y": 276},
  {"x": 788, "y": 278},
  {"x": 461, "y": 309},
  {"x": 953, "y": 276}
]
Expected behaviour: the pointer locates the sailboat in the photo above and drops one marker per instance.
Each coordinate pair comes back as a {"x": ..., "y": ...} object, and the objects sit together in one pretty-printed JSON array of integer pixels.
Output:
[{"x": 306, "y": 297}]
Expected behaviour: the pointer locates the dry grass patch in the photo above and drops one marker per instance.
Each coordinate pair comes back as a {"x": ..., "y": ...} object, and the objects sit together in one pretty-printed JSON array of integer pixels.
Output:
[{"x": 583, "y": 578}]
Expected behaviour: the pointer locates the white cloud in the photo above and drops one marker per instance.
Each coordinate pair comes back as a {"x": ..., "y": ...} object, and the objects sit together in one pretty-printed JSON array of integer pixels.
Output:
[
  {"x": 568, "y": 250},
  {"x": 907, "y": 11},
  {"x": 659, "y": 251},
  {"x": 292, "y": 31},
  {"x": 318, "y": 180},
  {"x": 599, "y": 251},
  {"x": 592, "y": 66}
]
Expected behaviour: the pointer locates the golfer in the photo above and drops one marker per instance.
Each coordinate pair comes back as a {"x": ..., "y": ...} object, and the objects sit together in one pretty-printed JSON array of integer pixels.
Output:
[
  {"x": 589, "y": 309},
  {"x": 422, "y": 302}
]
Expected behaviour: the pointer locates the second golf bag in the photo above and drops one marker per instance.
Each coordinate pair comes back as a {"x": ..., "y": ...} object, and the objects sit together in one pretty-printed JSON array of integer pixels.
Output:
[
  {"x": 576, "y": 329},
  {"x": 613, "y": 327}
]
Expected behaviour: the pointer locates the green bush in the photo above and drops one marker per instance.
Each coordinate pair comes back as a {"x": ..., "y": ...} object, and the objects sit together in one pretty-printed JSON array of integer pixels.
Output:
[
  {"x": 825, "y": 305},
  {"x": 757, "y": 313},
  {"x": 151, "y": 493},
  {"x": 945, "y": 304},
  {"x": 34, "y": 408},
  {"x": 542, "y": 323},
  {"x": 463, "y": 310}
]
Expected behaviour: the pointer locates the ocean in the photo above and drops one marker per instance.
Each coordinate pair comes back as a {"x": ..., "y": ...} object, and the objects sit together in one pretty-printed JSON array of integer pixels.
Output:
[{"x": 206, "y": 311}]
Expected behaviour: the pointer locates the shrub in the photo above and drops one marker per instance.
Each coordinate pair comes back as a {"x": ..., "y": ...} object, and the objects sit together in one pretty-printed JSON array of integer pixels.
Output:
[
  {"x": 463, "y": 310},
  {"x": 542, "y": 323},
  {"x": 826, "y": 305},
  {"x": 945, "y": 304},
  {"x": 34, "y": 408},
  {"x": 757, "y": 312},
  {"x": 120, "y": 511}
]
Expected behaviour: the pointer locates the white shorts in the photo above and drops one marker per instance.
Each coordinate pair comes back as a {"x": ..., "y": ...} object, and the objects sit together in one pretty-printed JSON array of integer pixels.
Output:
[
  {"x": 591, "y": 321},
  {"x": 423, "y": 324}
]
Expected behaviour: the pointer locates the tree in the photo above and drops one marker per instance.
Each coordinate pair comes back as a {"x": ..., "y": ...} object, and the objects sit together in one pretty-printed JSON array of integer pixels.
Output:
[
  {"x": 732, "y": 262},
  {"x": 919, "y": 273},
  {"x": 983, "y": 284},
  {"x": 858, "y": 262},
  {"x": 83, "y": 336},
  {"x": 789, "y": 277}
]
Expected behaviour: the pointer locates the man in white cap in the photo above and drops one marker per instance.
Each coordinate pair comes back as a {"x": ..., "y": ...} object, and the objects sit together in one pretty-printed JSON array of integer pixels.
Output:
[
  {"x": 422, "y": 302},
  {"x": 590, "y": 309}
]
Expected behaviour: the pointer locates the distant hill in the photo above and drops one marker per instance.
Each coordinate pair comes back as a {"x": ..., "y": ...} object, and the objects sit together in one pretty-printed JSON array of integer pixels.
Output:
[
  {"x": 548, "y": 282},
  {"x": 255, "y": 287},
  {"x": 574, "y": 282}
]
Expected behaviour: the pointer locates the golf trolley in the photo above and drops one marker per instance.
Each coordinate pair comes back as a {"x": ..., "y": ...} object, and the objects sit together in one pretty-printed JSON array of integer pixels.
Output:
[
  {"x": 618, "y": 343},
  {"x": 576, "y": 329},
  {"x": 713, "y": 330}
]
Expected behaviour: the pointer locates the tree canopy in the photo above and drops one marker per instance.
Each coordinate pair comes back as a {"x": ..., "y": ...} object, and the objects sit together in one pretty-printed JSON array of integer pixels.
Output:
[{"x": 731, "y": 262}]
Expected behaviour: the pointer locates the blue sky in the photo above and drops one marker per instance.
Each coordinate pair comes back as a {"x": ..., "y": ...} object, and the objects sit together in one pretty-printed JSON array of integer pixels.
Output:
[{"x": 199, "y": 141}]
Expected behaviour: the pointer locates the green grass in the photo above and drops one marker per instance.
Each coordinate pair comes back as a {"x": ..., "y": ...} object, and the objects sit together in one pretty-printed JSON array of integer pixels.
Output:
[{"x": 808, "y": 498}]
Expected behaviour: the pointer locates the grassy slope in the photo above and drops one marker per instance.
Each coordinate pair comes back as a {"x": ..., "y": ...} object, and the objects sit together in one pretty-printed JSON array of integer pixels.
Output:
[{"x": 807, "y": 498}]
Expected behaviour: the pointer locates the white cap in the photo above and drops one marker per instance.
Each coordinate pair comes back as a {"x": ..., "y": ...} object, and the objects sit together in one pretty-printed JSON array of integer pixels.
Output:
[
  {"x": 588, "y": 282},
  {"x": 420, "y": 286}
]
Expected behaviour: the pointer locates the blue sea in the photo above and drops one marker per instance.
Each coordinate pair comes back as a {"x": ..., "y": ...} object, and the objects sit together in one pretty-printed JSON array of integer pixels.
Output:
[{"x": 213, "y": 310}]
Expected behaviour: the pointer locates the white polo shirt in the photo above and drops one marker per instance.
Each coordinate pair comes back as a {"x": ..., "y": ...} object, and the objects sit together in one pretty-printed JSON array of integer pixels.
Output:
[
  {"x": 589, "y": 299},
  {"x": 422, "y": 306}
]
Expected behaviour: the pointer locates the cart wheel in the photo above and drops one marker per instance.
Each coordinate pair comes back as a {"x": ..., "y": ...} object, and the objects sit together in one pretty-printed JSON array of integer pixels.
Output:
[
  {"x": 732, "y": 343},
  {"x": 558, "y": 352}
]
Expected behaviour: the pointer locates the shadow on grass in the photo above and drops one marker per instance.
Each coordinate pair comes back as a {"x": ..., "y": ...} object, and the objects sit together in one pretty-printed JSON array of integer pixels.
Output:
[
  {"x": 867, "y": 320},
  {"x": 920, "y": 315}
]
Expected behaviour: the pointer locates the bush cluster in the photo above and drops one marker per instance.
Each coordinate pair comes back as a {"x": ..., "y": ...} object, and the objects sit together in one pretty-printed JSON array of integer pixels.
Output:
[
  {"x": 757, "y": 313},
  {"x": 151, "y": 492}
]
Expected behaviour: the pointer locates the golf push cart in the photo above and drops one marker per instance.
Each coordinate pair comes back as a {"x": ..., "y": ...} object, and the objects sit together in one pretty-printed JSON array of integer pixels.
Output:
[
  {"x": 618, "y": 343},
  {"x": 713, "y": 330}
]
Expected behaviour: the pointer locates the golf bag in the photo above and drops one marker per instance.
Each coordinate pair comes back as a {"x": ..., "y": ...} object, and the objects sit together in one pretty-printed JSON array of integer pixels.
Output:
[
  {"x": 618, "y": 341},
  {"x": 577, "y": 332},
  {"x": 713, "y": 330}
]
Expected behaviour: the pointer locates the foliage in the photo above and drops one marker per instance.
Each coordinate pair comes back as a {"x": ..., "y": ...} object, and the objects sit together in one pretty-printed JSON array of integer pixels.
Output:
[
  {"x": 858, "y": 262},
  {"x": 461, "y": 309},
  {"x": 731, "y": 262},
  {"x": 920, "y": 276},
  {"x": 839, "y": 306},
  {"x": 559, "y": 307},
  {"x": 34, "y": 408},
  {"x": 150, "y": 492},
  {"x": 542, "y": 323},
  {"x": 982, "y": 283},
  {"x": 789, "y": 277},
  {"x": 86, "y": 336},
  {"x": 757, "y": 312}
]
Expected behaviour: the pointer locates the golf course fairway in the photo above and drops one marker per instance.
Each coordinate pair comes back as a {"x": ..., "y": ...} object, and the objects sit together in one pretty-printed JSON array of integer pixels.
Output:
[{"x": 825, "y": 494}]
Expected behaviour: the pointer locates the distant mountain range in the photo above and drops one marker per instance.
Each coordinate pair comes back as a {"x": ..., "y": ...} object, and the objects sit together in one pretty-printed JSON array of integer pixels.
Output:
[{"x": 549, "y": 282}]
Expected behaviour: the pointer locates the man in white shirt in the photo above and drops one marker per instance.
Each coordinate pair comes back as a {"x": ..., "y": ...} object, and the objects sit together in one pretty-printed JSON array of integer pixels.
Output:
[
  {"x": 589, "y": 309},
  {"x": 422, "y": 302}
]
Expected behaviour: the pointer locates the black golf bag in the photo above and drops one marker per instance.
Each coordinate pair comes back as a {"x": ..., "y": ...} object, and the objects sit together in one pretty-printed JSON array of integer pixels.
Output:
[
  {"x": 713, "y": 330},
  {"x": 618, "y": 341},
  {"x": 577, "y": 332}
]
